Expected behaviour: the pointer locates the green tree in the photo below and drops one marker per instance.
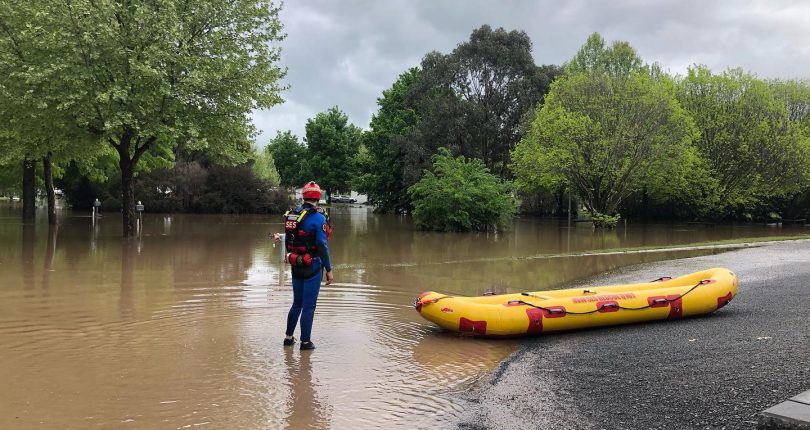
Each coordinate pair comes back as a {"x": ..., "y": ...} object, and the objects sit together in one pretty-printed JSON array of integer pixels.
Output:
[
  {"x": 461, "y": 195},
  {"x": 332, "y": 146},
  {"x": 618, "y": 60},
  {"x": 85, "y": 179},
  {"x": 795, "y": 95},
  {"x": 34, "y": 127},
  {"x": 680, "y": 188},
  {"x": 17, "y": 46},
  {"x": 236, "y": 189},
  {"x": 606, "y": 134},
  {"x": 190, "y": 187},
  {"x": 472, "y": 100},
  {"x": 264, "y": 167},
  {"x": 383, "y": 163},
  {"x": 752, "y": 147},
  {"x": 144, "y": 76},
  {"x": 10, "y": 180},
  {"x": 290, "y": 158}
]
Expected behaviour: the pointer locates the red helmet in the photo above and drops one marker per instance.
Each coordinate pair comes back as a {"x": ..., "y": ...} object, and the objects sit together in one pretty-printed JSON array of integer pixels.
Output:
[{"x": 311, "y": 191}]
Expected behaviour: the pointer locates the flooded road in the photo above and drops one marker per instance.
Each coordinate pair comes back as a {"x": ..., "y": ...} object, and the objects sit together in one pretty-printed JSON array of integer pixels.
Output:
[{"x": 182, "y": 326}]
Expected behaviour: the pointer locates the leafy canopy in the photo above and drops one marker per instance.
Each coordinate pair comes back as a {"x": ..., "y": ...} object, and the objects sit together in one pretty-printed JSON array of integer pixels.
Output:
[
  {"x": 32, "y": 125},
  {"x": 748, "y": 137},
  {"x": 160, "y": 71},
  {"x": 144, "y": 76},
  {"x": 290, "y": 158},
  {"x": 606, "y": 128},
  {"x": 472, "y": 100},
  {"x": 264, "y": 167},
  {"x": 382, "y": 166},
  {"x": 595, "y": 58},
  {"x": 332, "y": 144}
]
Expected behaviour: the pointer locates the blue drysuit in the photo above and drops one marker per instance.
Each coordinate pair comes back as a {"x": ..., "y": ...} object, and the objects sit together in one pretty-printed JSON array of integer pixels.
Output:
[{"x": 305, "y": 291}]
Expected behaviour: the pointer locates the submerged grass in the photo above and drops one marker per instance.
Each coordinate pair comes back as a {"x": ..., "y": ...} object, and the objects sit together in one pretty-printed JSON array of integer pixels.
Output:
[
  {"x": 727, "y": 244},
  {"x": 742, "y": 242}
]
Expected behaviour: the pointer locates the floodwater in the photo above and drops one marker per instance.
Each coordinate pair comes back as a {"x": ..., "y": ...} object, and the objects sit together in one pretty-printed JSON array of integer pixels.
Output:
[{"x": 182, "y": 326}]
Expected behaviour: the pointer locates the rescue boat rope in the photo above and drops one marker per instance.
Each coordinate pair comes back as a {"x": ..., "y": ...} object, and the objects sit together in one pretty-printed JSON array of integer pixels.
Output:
[
  {"x": 555, "y": 310},
  {"x": 418, "y": 302},
  {"x": 652, "y": 303},
  {"x": 536, "y": 296}
]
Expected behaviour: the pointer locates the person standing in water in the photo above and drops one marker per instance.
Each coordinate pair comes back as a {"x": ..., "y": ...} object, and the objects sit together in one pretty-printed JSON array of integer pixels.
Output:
[{"x": 306, "y": 231}]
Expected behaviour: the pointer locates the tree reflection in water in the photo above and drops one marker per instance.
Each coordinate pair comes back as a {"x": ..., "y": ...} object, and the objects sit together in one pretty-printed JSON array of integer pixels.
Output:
[
  {"x": 50, "y": 251},
  {"x": 28, "y": 236},
  {"x": 126, "y": 304},
  {"x": 185, "y": 330}
]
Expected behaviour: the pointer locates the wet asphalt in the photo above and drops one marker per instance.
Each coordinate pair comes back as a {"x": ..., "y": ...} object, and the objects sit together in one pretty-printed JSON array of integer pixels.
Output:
[{"x": 712, "y": 372}]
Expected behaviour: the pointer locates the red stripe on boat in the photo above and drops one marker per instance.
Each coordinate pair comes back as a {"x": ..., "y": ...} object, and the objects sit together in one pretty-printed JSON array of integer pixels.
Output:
[
  {"x": 675, "y": 306},
  {"x": 722, "y": 301},
  {"x": 465, "y": 324},
  {"x": 535, "y": 320}
]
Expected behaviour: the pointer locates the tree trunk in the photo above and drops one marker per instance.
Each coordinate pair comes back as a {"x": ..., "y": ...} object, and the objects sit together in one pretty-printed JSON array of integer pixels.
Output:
[
  {"x": 127, "y": 163},
  {"x": 126, "y": 303},
  {"x": 645, "y": 203},
  {"x": 128, "y": 195},
  {"x": 47, "y": 172},
  {"x": 559, "y": 202},
  {"x": 29, "y": 194}
]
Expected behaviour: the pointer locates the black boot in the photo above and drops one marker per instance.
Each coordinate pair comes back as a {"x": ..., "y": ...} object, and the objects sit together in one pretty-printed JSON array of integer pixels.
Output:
[
  {"x": 307, "y": 345},
  {"x": 289, "y": 341}
]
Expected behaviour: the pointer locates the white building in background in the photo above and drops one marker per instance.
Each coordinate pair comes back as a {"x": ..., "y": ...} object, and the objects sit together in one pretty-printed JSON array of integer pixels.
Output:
[{"x": 360, "y": 199}]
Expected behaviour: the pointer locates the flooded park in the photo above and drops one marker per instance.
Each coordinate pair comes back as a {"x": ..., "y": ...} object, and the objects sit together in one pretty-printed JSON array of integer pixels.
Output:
[{"x": 182, "y": 326}]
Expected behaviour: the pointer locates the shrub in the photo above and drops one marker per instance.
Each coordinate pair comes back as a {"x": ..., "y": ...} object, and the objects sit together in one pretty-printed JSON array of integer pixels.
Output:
[
  {"x": 236, "y": 190},
  {"x": 601, "y": 220},
  {"x": 212, "y": 202},
  {"x": 191, "y": 187},
  {"x": 187, "y": 187},
  {"x": 461, "y": 195},
  {"x": 110, "y": 204}
]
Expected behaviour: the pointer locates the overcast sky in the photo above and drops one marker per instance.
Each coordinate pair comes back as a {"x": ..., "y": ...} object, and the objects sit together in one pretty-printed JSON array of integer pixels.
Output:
[{"x": 346, "y": 52}]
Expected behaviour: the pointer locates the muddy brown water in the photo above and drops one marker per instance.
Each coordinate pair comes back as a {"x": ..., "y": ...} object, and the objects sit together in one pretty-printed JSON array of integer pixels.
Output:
[{"x": 182, "y": 326}]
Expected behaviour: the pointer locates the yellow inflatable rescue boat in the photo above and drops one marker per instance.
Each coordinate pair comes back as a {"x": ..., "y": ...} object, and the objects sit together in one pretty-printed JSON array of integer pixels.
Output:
[{"x": 532, "y": 313}]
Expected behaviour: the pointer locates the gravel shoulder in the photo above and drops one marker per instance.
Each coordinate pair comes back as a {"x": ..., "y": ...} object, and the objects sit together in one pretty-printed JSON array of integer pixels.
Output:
[{"x": 715, "y": 372}]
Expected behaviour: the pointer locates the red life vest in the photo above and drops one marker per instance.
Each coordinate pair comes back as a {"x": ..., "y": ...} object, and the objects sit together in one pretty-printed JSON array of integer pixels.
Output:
[{"x": 302, "y": 246}]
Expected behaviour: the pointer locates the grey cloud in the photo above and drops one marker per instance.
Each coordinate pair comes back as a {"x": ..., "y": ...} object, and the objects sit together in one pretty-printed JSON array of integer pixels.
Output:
[{"x": 346, "y": 53}]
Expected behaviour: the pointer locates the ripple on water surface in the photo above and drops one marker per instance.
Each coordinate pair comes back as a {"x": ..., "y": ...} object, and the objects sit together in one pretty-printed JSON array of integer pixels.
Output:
[
  {"x": 182, "y": 327},
  {"x": 213, "y": 355},
  {"x": 375, "y": 363}
]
